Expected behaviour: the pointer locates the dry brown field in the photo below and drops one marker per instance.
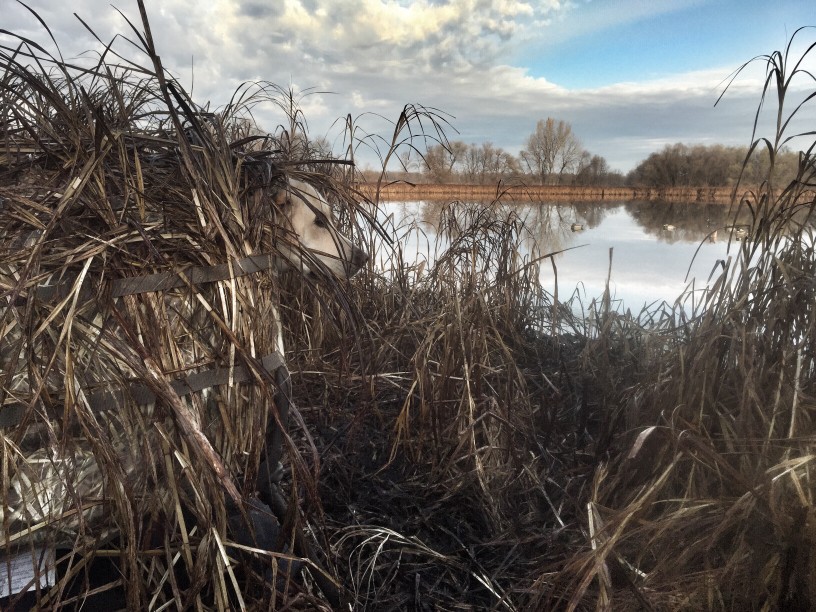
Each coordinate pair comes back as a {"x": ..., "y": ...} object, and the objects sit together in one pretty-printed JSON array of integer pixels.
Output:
[{"x": 407, "y": 191}]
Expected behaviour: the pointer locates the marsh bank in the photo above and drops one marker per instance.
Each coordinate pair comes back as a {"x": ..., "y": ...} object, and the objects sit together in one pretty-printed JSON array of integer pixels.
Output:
[{"x": 423, "y": 191}]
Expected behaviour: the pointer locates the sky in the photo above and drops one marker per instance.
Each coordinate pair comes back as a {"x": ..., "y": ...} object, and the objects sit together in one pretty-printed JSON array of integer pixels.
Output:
[{"x": 629, "y": 76}]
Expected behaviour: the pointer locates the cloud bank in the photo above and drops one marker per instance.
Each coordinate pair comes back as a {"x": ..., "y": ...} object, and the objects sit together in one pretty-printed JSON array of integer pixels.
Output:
[{"x": 456, "y": 56}]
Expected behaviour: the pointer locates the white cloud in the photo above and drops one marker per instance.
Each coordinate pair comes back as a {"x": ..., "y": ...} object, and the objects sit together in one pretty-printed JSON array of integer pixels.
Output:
[{"x": 377, "y": 55}]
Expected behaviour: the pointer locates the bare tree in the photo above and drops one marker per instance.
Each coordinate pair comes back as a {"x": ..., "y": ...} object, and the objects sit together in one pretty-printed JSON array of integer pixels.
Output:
[
  {"x": 456, "y": 149},
  {"x": 439, "y": 161},
  {"x": 473, "y": 164},
  {"x": 569, "y": 156},
  {"x": 435, "y": 163},
  {"x": 551, "y": 148},
  {"x": 594, "y": 170},
  {"x": 715, "y": 166},
  {"x": 407, "y": 161},
  {"x": 498, "y": 163},
  {"x": 320, "y": 148},
  {"x": 583, "y": 166}
]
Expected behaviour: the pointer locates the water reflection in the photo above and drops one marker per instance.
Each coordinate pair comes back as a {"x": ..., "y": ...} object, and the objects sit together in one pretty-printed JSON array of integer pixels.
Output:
[{"x": 657, "y": 249}]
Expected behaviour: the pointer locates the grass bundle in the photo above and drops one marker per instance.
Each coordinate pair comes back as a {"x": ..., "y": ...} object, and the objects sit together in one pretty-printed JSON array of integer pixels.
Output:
[
  {"x": 129, "y": 219},
  {"x": 472, "y": 372}
]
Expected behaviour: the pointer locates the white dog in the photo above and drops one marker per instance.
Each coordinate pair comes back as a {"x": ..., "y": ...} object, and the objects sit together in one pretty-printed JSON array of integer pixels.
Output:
[{"x": 323, "y": 248}]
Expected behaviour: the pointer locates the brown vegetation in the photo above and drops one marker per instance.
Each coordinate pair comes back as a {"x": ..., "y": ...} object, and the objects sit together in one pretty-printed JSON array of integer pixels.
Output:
[
  {"x": 462, "y": 437},
  {"x": 544, "y": 193},
  {"x": 140, "y": 388}
]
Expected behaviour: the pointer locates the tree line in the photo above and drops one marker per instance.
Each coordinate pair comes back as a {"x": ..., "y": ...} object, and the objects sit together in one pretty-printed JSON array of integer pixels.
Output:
[
  {"x": 554, "y": 155},
  {"x": 679, "y": 165}
]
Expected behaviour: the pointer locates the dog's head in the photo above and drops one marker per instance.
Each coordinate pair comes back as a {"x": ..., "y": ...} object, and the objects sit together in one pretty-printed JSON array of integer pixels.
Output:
[{"x": 310, "y": 220}]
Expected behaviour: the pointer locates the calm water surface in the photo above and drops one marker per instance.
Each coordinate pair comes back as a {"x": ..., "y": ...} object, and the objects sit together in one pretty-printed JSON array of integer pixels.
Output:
[{"x": 658, "y": 249}]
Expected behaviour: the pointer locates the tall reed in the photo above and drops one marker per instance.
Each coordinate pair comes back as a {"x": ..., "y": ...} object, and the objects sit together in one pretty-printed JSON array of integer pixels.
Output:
[{"x": 708, "y": 502}]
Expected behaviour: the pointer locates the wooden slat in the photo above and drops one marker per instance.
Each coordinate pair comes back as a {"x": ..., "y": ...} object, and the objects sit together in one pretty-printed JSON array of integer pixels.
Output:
[
  {"x": 192, "y": 276},
  {"x": 110, "y": 399},
  {"x": 161, "y": 281}
]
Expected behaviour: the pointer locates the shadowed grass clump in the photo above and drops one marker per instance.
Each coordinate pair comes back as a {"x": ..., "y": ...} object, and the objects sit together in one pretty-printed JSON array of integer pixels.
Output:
[
  {"x": 454, "y": 464},
  {"x": 498, "y": 452}
]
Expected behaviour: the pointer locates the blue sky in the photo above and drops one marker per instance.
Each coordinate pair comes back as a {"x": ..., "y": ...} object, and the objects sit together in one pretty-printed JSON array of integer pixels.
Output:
[
  {"x": 630, "y": 76},
  {"x": 660, "y": 38}
]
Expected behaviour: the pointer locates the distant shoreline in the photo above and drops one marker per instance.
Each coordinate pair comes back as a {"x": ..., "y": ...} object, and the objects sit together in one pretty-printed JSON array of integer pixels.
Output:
[{"x": 559, "y": 193}]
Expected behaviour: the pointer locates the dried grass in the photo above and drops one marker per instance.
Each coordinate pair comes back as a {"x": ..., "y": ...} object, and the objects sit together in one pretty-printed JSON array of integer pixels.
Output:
[
  {"x": 462, "y": 439},
  {"x": 504, "y": 454},
  {"x": 111, "y": 173},
  {"x": 711, "y": 505}
]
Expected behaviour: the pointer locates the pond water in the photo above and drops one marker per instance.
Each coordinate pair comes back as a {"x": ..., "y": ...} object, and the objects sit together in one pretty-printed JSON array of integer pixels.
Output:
[{"x": 658, "y": 249}]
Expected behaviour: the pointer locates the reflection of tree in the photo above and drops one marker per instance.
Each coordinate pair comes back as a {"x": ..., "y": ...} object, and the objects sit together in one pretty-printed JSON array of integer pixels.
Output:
[
  {"x": 429, "y": 213},
  {"x": 551, "y": 223},
  {"x": 692, "y": 222},
  {"x": 546, "y": 228},
  {"x": 548, "y": 224},
  {"x": 591, "y": 214}
]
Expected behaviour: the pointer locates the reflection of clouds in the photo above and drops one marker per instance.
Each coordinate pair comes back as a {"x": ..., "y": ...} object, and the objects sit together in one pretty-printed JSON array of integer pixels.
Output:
[
  {"x": 645, "y": 269},
  {"x": 414, "y": 238}
]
